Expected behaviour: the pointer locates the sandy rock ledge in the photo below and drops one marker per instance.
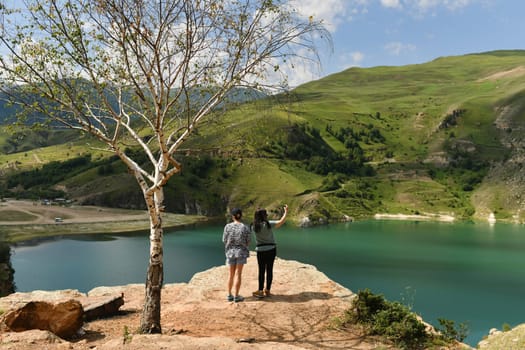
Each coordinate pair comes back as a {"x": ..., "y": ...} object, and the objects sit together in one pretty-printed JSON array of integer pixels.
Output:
[{"x": 196, "y": 315}]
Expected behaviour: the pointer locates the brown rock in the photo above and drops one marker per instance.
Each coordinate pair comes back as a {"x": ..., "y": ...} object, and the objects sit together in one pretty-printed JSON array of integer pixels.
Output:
[
  {"x": 19, "y": 299},
  {"x": 34, "y": 339},
  {"x": 63, "y": 319},
  {"x": 105, "y": 303},
  {"x": 102, "y": 307}
]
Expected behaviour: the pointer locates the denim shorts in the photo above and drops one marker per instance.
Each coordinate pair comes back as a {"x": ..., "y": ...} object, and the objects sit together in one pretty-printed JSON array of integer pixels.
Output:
[{"x": 236, "y": 261}]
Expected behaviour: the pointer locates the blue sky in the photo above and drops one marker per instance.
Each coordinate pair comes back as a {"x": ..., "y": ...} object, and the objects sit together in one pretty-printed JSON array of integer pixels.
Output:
[{"x": 368, "y": 33}]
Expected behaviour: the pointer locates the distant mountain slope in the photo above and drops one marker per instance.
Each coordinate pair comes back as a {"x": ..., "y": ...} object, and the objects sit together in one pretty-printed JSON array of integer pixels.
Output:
[{"x": 442, "y": 138}]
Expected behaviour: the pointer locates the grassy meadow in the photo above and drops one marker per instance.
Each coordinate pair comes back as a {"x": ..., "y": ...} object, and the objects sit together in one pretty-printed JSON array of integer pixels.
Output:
[{"x": 433, "y": 133}]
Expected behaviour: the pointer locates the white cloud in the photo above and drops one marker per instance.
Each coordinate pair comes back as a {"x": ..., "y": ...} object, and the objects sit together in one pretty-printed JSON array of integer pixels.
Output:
[
  {"x": 350, "y": 59},
  {"x": 391, "y": 3},
  {"x": 423, "y": 6},
  {"x": 301, "y": 74},
  {"x": 292, "y": 73},
  {"x": 299, "y": 71},
  {"x": 457, "y": 4},
  {"x": 331, "y": 12},
  {"x": 356, "y": 58},
  {"x": 398, "y": 48}
]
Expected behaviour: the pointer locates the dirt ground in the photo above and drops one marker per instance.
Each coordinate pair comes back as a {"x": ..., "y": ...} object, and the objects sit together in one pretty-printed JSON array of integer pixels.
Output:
[
  {"x": 35, "y": 212},
  {"x": 22, "y": 220},
  {"x": 294, "y": 315}
]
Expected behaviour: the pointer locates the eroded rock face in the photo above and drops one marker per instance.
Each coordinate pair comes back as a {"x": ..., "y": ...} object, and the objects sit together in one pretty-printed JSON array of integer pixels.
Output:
[{"x": 64, "y": 319}]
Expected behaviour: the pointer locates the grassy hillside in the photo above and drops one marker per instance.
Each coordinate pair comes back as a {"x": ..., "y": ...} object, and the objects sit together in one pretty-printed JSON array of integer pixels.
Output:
[
  {"x": 409, "y": 103},
  {"x": 443, "y": 137}
]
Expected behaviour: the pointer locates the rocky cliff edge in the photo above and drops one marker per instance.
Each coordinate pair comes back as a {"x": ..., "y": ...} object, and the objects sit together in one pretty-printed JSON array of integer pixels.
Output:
[{"x": 196, "y": 315}]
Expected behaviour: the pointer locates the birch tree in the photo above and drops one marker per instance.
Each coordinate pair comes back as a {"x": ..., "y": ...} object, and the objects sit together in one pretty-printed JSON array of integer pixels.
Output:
[{"x": 144, "y": 74}]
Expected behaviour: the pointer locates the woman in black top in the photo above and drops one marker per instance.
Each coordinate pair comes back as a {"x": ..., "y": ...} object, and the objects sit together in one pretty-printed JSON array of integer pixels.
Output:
[{"x": 266, "y": 248}]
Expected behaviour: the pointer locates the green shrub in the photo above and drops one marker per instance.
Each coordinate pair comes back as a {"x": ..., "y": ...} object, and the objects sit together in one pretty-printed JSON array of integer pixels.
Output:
[
  {"x": 506, "y": 327},
  {"x": 397, "y": 323},
  {"x": 450, "y": 332},
  {"x": 390, "y": 319},
  {"x": 367, "y": 305},
  {"x": 330, "y": 183},
  {"x": 400, "y": 325}
]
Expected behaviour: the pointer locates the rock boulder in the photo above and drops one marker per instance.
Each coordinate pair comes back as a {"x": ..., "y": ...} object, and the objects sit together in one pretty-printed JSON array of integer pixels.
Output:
[{"x": 64, "y": 319}]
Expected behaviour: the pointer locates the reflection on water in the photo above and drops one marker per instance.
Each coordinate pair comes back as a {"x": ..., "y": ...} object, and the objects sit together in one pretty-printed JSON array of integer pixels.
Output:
[{"x": 468, "y": 273}]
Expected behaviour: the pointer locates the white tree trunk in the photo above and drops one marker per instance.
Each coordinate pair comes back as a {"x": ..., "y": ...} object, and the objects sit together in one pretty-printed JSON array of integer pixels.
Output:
[
  {"x": 155, "y": 68},
  {"x": 150, "y": 321}
]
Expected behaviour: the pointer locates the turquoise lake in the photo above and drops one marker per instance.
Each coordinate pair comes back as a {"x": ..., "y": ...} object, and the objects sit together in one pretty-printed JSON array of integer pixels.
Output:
[{"x": 466, "y": 272}]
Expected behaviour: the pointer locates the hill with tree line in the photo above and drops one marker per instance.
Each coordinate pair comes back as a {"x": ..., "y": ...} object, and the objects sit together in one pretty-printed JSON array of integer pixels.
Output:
[{"x": 443, "y": 137}]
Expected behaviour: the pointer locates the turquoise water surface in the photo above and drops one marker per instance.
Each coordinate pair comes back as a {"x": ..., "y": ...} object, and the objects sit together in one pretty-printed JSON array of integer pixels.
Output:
[{"x": 467, "y": 272}]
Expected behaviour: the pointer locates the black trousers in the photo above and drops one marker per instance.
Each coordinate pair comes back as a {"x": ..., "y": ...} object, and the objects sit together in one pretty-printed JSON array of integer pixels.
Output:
[{"x": 265, "y": 261}]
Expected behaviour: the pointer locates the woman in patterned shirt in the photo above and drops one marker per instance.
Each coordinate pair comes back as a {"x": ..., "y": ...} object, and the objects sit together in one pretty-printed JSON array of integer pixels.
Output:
[{"x": 236, "y": 239}]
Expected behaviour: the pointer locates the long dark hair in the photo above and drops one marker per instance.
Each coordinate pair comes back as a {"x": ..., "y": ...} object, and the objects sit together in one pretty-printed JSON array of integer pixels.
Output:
[{"x": 259, "y": 217}]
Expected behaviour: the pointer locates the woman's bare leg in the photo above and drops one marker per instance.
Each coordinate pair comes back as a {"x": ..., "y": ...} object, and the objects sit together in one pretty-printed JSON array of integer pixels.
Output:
[
  {"x": 230, "y": 278},
  {"x": 238, "y": 278}
]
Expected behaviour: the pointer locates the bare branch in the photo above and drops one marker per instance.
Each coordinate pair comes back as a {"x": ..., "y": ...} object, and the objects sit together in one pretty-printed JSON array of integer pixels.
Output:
[{"x": 143, "y": 75}]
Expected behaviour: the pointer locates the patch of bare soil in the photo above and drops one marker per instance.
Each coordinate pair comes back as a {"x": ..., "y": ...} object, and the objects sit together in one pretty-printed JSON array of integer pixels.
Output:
[
  {"x": 27, "y": 220},
  {"x": 46, "y": 214},
  {"x": 511, "y": 73}
]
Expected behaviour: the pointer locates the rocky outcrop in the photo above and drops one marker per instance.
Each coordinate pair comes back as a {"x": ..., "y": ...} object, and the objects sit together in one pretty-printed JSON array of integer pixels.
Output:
[
  {"x": 102, "y": 307},
  {"x": 513, "y": 339},
  {"x": 63, "y": 319},
  {"x": 301, "y": 313},
  {"x": 62, "y": 313}
]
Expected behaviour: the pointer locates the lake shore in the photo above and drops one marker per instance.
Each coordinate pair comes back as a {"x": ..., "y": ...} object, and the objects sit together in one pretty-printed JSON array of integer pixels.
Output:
[
  {"x": 23, "y": 220},
  {"x": 420, "y": 217}
]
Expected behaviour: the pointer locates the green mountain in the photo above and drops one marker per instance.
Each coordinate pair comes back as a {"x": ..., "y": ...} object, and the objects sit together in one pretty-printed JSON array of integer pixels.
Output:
[{"x": 440, "y": 138}]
